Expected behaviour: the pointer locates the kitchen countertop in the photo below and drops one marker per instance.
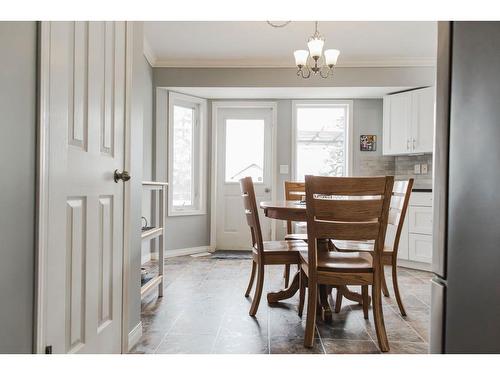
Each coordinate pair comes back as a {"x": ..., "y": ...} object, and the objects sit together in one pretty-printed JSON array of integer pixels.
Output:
[{"x": 422, "y": 190}]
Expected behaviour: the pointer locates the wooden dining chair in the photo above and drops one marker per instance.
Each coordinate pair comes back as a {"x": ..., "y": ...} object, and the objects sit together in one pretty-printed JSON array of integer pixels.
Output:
[
  {"x": 294, "y": 191},
  {"x": 345, "y": 208},
  {"x": 397, "y": 212},
  {"x": 264, "y": 252}
]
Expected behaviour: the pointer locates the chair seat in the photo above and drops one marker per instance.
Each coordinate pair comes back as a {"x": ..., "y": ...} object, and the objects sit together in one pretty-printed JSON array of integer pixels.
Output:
[
  {"x": 296, "y": 236},
  {"x": 282, "y": 252},
  {"x": 357, "y": 246},
  {"x": 334, "y": 261},
  {"x": 292, "y": 245}
]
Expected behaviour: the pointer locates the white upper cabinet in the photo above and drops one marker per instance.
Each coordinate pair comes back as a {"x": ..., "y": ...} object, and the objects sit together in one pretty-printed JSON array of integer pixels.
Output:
[
  {"x": 397, "y": 124},
  {"x": 409, "y": 122},
  {"x": 423, "y": 120}
]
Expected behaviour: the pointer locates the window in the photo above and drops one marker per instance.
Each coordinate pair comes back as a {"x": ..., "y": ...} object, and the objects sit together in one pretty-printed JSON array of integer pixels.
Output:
[
  {"x": 186, "y": 139},
  {"x": 244, "y": 150},
  {"x": 322, "y": 140}
]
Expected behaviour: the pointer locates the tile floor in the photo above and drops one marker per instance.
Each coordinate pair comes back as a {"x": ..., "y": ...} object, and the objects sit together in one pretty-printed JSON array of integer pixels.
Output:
[{"x": 204, "y": 310}]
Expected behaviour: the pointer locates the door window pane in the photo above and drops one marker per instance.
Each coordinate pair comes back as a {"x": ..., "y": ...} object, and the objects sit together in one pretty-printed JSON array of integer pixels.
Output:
[
  {"x": 244, "y": 150},
  {"x": 182, "y": 187},
  {"x": 321, "y": 141}
]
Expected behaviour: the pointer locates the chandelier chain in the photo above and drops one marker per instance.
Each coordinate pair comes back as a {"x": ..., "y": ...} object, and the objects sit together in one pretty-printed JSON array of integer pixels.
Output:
[{"x": 278, "y": 25}]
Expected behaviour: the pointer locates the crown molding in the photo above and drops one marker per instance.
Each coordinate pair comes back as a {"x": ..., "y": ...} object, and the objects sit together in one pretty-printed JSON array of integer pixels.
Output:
[
  {"x": 208, "y": 63},
  {"x": 149, "y": 54}
]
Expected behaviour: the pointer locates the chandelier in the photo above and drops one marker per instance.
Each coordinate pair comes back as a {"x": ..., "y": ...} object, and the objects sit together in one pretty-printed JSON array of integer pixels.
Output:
[{"x": 315, "y": 46}]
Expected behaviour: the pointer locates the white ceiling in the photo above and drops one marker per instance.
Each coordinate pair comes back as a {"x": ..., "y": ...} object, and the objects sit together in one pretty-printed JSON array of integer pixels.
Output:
[
  {"x": 287, "y": 92},
  {"x": 256, "y": 44}
]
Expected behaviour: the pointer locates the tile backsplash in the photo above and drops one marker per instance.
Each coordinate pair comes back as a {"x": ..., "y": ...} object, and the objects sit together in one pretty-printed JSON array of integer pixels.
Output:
[
  {"x": 405, "y": 168},
  {"x": 402, "y": 167},
  {"x": 375, "y": 165}
]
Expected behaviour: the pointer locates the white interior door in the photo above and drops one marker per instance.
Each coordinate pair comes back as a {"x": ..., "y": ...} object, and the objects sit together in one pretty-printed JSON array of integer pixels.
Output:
[
  {"x": 83, "y": 78},
  {"x": 244, "y": 148}
]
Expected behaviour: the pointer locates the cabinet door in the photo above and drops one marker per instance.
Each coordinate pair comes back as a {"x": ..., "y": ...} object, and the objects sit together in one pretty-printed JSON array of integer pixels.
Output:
[
  {"x": 420, "y": 247},
  {"x": 397, "y": 122},
  {"x": 422, "y": 124},
  {"x": 420, "y": 220}
]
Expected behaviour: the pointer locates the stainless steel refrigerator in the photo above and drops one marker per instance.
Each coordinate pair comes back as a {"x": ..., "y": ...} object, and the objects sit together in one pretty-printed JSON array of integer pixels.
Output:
[{"x": 465, "y": 309}]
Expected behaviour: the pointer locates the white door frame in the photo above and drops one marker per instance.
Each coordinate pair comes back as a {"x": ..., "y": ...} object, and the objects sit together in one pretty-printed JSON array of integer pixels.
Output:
[
  {"x": 42, "y": 199},
  {"x": 216, "y": 105}
]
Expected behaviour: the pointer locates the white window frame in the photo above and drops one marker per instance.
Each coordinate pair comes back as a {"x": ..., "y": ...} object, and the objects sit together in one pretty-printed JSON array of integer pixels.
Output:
[
  {"x": 349, "y": 131},
  {"x": 199, "y": 105}
]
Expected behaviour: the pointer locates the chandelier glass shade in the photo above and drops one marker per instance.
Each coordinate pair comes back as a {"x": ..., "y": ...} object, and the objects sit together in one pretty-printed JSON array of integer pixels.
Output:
[{"x": 315, "y": 51}]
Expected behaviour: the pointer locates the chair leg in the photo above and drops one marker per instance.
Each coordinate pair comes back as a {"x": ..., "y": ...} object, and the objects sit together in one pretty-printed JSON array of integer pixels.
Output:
[
  {"x": 258, "y": 289},
  {"x": 286, "y": 275},
  {"x": 312, "y": 302},
  {"x": 385, "y": 290},
  {"x": 366, "y": 300},
  {"x": 338, "y": 301},
  {"x": 396, "y": 289},
  {"x": 302, "y": 291},
  {"x": 252, "y": 277},
  {"x": 378, "y": 314}
]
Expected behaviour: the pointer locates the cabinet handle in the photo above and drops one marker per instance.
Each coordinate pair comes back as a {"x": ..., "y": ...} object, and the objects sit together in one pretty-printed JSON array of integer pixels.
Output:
[
  {"x": 408, "y": 144},
  {"x": 413, "y": 144}
]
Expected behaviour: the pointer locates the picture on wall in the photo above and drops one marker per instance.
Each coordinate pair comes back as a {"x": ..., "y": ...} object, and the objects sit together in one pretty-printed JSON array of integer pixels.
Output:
[{"x": 368, "y": 143}]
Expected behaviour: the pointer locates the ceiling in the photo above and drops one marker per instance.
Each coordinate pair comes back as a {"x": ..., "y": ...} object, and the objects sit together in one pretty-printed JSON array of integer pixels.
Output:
[
  {"x": 256, "y": 44},
  {"x": 287, "y": 92}
]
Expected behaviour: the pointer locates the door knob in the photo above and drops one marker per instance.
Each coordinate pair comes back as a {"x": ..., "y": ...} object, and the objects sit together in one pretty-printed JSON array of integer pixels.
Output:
[
  {"x": 124, "y": 176},
  {"x": 267, "y": 190}
]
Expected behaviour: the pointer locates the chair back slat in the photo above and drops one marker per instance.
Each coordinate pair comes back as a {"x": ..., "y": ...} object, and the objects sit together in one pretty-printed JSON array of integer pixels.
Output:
[
  {"x": 349, "y": 186},
  {"x": 397, "y": 212},
  {"x": 351, "y": 231},
  {"x": 251, "y": 212},
  {"x": 294, "y": 191},
  {"x": 347, "y": 208}
]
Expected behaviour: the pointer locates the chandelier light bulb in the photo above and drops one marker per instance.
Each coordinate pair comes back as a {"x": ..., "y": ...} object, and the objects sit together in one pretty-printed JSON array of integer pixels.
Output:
[
  {"x": 331, "y": 56},
  {"x": 315, "y": 46},
  {"x": 301, "y": 57}
]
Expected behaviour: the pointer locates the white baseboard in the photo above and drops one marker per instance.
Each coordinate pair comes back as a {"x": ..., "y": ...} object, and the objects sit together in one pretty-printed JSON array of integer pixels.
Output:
[
  {"x": 134, "y": 336},
  {"x": 186, "y": 251},
  {"x": 415, "y": 265}
]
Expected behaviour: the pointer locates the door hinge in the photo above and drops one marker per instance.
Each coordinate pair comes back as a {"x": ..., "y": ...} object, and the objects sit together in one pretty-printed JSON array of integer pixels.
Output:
[{"x": 48, "y": 349}]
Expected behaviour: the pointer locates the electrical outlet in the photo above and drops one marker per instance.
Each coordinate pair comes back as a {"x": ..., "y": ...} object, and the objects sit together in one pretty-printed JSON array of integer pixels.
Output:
[
  {"x": 423, "y": 168},
  {"x": 416, "y": 169},
  {"x": 283, "y": 169}
]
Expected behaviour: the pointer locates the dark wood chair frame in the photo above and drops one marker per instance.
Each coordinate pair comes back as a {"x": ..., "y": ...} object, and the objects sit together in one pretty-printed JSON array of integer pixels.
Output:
[
  {"x": 264, "y": 252},
  {"x": 294, "y": 191},
  {"x": 345, "y": 219},
  {"x": 400, "y": 199}
]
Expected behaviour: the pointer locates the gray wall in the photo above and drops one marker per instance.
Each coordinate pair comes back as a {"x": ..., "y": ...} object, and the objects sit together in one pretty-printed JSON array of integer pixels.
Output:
[
  {"x": 193, "y": 231},
  {"x": 17, "y": 184},
  {"x": 284, "y": 77}
]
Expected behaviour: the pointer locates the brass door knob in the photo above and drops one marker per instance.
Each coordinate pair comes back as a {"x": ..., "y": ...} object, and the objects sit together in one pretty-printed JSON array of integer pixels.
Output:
[{"x": 124, "y": 176}]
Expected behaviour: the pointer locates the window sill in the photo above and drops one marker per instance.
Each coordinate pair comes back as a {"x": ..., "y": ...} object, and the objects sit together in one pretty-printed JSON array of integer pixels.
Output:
[{"x": 187, "y": 213}]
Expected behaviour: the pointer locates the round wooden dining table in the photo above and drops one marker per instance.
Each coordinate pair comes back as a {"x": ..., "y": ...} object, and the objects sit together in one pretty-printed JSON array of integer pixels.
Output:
[{"x": 296, "y": 211}]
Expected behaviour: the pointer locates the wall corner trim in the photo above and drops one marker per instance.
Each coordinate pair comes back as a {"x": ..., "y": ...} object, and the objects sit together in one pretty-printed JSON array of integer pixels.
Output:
[{"x": 134, "y": 336}]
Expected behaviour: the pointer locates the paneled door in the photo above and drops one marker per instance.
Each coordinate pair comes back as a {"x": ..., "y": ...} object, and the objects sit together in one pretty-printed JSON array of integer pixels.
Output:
[
  {"x": 83, "y": 114},
  {"x": 244, "y": 148}
]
